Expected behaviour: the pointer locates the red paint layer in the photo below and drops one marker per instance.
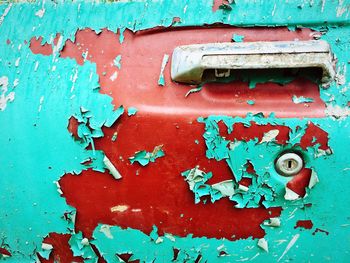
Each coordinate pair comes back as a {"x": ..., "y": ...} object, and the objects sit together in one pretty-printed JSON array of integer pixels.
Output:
[
  {"x": 61, "y": 250},
  {"x": 243, "y": 133},
  {"x": 314, "y": 135},
  {"x": 38, "y": 48},
  {"x": 157, "y": 194},
  {"x": 142, "y": 55},
  {"x": 300, "y": 182},
  {"x": 218, "y": 3},
  {"x": 73, "y": 127},
  {"x": 307, "y": 224},
  {"x": 5, "y": 252},
  {"x": 157, "y": 200}
]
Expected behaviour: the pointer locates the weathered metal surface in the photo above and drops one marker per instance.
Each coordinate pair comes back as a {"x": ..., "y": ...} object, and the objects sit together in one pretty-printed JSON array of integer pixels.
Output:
[
  {"x": 189, "y": 62},
  {"x": 105, "y": 158}
]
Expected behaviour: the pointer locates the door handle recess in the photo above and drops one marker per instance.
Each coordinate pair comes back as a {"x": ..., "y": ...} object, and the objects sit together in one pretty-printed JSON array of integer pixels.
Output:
[{"x": 190, "y": 61}]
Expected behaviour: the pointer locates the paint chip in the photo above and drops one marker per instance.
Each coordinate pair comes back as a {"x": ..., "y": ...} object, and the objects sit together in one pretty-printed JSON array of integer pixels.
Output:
[
  {"x": 269, "y": 136},
  {"x": 114, "y": 76},
  {"x": 291, "y": 195},
  {"x": 262, "y": 243},
  {"x": 289, "y": 246},
  {"x": 111, "y": 168},
  {"x": 301, "y": 99},
  {"x": 337, "y": 111},
  {"x": 198, "y": 89},
  {"x": 144, "y": 157},
  {"x": 237, "y": 38},
  {"x": 226, "y": 188},
  {"x": 4, "y": 96},
  {"x": 313, "y": 179},
  {"x": 273, "y": 222},
  {"x": 40, "y": 13},
  {"x": 161, "y": 80},
  {"x": 119, "y": 208},
  {"x": 105, "y": 229},
  {"x": 117, "y": 61},
  {"x": 132, "y": 111}
]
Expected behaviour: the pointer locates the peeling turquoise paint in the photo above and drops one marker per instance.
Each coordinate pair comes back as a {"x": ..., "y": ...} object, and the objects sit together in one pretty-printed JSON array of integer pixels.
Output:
[
  {"x": 81, "y": 247},
  {"x": 144, "y": 157},
  {"x": 117, "y": 61},
  {"x": 250, "y": 102},
  {"x": 132, "y": 111},
  {"x": 237, "y": 38},
  {"x": 301, "y": 99},
  {"x": 40, "y": 93},
  {"x": 194, "y": 90},
  {"x": 267, "y": 185},
  {"x": 161, "y": 80}
]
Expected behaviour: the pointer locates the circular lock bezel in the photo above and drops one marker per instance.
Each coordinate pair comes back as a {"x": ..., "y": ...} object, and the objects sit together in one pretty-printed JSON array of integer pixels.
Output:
[{"x": 280, "y": 167}]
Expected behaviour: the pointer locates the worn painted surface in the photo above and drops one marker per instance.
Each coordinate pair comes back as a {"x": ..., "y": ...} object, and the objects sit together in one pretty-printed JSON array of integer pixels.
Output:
[{"x": 104, "y": 158}]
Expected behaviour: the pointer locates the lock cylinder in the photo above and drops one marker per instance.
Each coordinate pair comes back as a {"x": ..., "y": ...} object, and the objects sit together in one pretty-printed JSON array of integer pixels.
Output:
[{"x": 289, "y": 164}]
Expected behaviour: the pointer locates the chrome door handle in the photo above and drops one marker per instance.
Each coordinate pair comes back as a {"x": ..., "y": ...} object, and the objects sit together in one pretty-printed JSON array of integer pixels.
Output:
[{"x": 190, "y": 61}]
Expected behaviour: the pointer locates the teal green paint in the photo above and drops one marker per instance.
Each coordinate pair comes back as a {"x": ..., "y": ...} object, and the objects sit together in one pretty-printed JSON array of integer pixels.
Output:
[
  {"x": 132, "y": 111},
  {"x": 237, "y": 38},
  {"x": 161, "y": 80},
  {"x": 117, "y": 61},
  {"x": 45, "y": 253},
  {"x": 194, "y": 90},
  {"x": 33, "y": 140},
  {"x": 121, "y": 34},
  {"x": 335, "y": 222},
  {"x": 144, "y": 157},
  {"x": 267, "y": 184},
  {"x": 81, "y": 247},
  {"x": 154, "y": 233},
  {"x": 250, "y": 102},
  {"x": 196, "y": 180},
  {"x": 301, "y": 99}
]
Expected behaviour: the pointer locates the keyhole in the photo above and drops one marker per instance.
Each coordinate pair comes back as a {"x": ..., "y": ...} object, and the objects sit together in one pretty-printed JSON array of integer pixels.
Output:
[{"x": 289, "y": 164}]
